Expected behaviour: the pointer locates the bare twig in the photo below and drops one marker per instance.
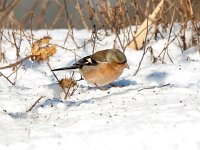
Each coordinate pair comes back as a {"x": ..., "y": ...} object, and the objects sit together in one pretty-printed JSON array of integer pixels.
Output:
[
  {"x": 58, "y": 14},
  {"x": 83, "y": 18},
  {"x": 41, "y": 17},
  {"x": 1, "y": 74},
  {"x": 144, "y": 52},
  {"x": 17, "y": 63},
  {"x": 56, "y": 78},
  {"x": 7, "y": 10},
  {"x": 153, "y": 87},
  {"x": 41, "y": 97}
]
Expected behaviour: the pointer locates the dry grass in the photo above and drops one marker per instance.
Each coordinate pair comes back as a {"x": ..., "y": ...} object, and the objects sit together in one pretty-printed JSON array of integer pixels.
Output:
[{"x": 95, "y": 15}]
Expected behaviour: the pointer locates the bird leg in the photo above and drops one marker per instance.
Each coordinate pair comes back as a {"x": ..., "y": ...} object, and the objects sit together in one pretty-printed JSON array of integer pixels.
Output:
[{"x": 80, "y": 79}]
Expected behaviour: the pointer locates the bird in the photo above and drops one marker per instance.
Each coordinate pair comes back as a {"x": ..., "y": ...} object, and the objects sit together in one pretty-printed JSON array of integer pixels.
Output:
[{"x": 102, "y": 67}]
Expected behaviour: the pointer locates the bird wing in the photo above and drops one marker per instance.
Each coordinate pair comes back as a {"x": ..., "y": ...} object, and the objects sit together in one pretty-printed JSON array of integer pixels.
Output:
[
  {"x": 100, "y": 56},
  {"x": 86, "y": 61},
  {"x": 92, "y": 60}
]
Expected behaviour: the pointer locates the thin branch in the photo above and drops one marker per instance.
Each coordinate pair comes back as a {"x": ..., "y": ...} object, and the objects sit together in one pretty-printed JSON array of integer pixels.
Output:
[
  {"x": 80, "y": 11},
  {"x": 1, "y": 74},
  {"x": 17, "y": 63},
  {"x": 144, "y": 52},
  {"x": 4, "y": 14},
  {"x": 153, "y": 87},
  {"x": 41, "y": 97}
]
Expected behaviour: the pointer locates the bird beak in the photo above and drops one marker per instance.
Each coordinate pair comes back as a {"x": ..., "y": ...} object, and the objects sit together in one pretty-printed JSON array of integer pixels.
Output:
[{"x": 127, "y": 66}]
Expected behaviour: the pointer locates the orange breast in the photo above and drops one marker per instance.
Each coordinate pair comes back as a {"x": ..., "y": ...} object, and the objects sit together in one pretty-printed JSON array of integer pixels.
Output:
[{"x": 101, "y": 74}]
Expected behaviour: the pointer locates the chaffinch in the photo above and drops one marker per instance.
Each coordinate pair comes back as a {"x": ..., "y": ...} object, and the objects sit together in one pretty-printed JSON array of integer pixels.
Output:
[{"x": 102, "y": 67}]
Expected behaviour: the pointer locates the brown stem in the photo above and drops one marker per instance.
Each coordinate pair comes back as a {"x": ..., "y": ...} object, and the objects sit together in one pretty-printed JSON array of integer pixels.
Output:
[
  {"x": 35, "y": 103},
  {"x": 17, "y": 63}
]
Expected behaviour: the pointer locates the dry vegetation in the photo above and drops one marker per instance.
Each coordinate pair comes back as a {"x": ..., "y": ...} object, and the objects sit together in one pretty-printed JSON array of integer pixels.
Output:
[{"x": 95, "y": 15}]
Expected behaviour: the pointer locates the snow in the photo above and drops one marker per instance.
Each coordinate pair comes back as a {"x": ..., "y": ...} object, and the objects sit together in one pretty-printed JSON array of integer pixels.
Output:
[{"x": 156, "y": 109}]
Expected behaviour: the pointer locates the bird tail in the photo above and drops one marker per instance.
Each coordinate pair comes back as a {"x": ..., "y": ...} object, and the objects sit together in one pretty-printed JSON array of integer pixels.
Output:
[{"x": 65, "y": 68}]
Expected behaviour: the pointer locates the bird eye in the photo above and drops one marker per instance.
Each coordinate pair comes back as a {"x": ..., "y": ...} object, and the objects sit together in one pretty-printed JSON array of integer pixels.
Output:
[{"x": 120, "y": 64}]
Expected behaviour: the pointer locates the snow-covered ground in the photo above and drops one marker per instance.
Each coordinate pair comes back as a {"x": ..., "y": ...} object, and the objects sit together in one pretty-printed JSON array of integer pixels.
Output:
[{"x": 157, "y": 109}]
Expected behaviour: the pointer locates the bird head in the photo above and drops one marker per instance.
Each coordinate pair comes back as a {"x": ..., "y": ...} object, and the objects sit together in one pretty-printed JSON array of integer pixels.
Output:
[{"x": 117, "y": 57}]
